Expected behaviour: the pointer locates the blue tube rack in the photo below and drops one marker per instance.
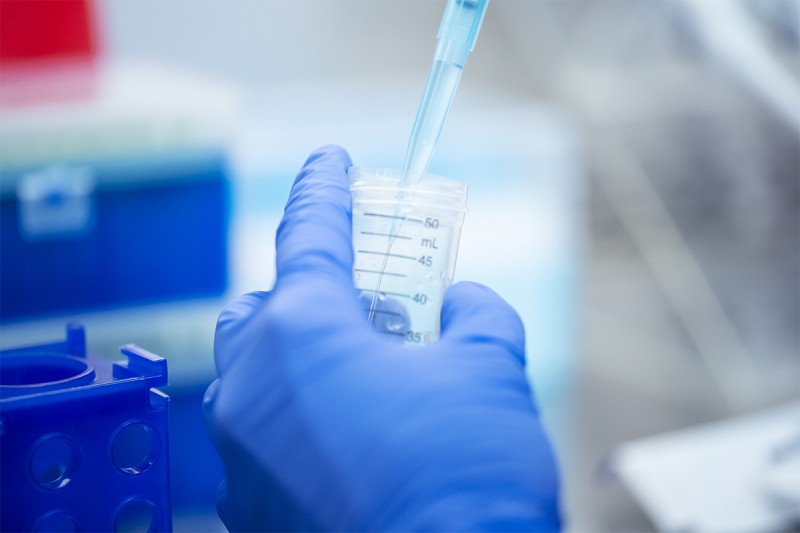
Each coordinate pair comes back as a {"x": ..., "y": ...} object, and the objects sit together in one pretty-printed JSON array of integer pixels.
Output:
[{"x": 83, "y": 440}]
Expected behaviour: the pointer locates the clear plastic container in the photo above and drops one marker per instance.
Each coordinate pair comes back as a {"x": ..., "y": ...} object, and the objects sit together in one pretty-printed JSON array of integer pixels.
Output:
[{"x": 405, "y": 240}]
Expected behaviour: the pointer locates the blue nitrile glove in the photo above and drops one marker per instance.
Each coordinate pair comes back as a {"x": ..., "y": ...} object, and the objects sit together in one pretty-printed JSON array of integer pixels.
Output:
[{"x": 325, "y": 425}]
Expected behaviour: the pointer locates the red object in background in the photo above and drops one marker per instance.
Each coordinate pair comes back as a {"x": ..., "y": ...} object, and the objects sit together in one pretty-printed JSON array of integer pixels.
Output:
[
  {"x": 48, "y": 51},
  {"x": 32, "y": 30}
]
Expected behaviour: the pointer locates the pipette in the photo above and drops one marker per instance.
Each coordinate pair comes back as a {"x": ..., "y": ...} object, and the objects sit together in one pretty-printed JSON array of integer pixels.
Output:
[{"x": 456, "y": 39}]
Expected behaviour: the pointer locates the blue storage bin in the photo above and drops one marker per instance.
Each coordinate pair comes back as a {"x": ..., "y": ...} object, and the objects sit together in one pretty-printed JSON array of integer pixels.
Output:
[{"x": 112, "y": 233}]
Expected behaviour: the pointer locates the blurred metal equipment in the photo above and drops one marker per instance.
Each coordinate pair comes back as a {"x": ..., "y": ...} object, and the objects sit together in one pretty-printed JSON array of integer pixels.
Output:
[
  {"x": 740, "y": 474},
  {"x": 737, "y": 40},
  {"x": 690, "y": 115},
  {"x": 676, "y": 270}
]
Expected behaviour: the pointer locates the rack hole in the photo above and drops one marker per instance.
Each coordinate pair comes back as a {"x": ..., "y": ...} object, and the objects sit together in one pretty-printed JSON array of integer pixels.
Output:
[
  {"x": 58, "y": 521},
  {"x": 137, "y": 515},
  {"x": 135, "y": 448},
  {"x": 37, "y": 369},
  {"x": 54, "y": 462}
]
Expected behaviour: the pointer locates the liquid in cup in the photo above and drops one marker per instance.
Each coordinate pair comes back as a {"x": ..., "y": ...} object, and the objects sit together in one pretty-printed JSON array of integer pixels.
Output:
[{"x": 405, "y": 240}]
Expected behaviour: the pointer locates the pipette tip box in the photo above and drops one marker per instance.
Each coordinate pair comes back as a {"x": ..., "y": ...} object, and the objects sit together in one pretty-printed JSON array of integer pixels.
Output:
[{"x": 118, "y": 200}]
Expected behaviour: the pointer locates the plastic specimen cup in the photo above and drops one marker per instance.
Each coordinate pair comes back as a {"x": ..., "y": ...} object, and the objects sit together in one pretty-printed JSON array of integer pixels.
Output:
[{"x": 405, "y": 240}]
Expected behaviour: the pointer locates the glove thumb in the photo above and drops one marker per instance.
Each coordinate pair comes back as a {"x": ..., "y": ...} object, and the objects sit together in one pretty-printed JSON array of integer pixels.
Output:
[{"x": 474, "y": 314}]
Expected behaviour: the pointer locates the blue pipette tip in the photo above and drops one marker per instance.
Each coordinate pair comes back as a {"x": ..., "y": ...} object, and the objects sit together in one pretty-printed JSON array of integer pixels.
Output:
[{"x": 458, "y": 32}]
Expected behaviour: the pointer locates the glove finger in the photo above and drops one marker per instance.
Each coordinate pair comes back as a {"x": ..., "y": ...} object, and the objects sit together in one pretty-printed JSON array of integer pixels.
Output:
[
  {"x": 224, "y": 511},
  {"x": 315, "y": 235},
  {"x": 231, "y": 324},
  {"x": 223, "y": 504},
  {"x": 474, "y": 314}
]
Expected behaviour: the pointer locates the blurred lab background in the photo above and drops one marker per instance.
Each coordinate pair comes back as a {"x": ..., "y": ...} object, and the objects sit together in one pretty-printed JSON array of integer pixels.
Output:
[{"x": 634, "y": 173}]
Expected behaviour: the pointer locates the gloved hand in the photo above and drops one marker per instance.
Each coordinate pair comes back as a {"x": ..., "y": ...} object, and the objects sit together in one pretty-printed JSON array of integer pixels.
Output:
[{"x": 323, "y": 424}]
